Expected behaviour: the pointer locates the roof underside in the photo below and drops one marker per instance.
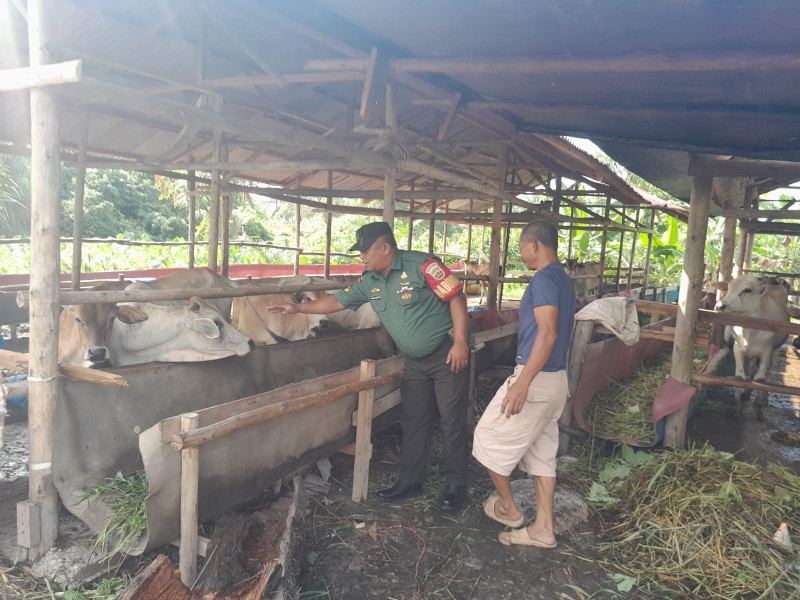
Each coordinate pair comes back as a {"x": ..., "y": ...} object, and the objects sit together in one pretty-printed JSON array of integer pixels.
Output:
[{"x": 651, "y": 83}]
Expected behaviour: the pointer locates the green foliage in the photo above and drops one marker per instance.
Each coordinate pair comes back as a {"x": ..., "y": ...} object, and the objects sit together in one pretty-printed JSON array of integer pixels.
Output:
[{"x": 15, "y": 196}]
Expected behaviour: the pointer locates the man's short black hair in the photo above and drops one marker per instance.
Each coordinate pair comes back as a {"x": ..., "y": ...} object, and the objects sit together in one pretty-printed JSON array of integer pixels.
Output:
[{"x": 541, "y": 231}]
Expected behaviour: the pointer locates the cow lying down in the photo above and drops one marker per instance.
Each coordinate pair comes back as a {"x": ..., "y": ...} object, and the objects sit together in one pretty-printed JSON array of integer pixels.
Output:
[
  {"x": 250, "y": 315},
  {"x": 765, "y": 298}
]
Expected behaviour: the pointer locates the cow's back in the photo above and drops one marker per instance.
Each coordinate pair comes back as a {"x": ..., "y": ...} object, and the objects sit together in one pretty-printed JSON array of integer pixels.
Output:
[{"x": 201, "y": 278}]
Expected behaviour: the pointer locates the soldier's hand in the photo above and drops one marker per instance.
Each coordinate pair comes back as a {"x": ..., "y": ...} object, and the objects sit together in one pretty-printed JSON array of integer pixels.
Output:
[
  {"x": 286, "y": 309},
  {"x": 458, "y": 357}
]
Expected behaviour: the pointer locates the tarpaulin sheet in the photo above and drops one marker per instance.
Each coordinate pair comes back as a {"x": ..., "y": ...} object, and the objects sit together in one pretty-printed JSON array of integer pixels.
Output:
[{"x": 96, "y": 428}]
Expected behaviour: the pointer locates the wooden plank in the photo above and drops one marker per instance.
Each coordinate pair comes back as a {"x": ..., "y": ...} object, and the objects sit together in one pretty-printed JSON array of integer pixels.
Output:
[
  {"x": 366, "y": 92},
  {"x": 79, "y": 373},
  {"x": 190, "y": 478},
  {"x": 363, "y": 434},
  {"x": 80, "y": 189},
  {"x": 213, "y": 431},
  {"x": 494, "y": 243},
  {"x": 28, "y": 524},
  {"x": 381, "y": 405},
  {"x": 756, "y": 213},
  {"x": 788, "y": 390},
  {"x": 581, "y": 337},
  {"x": 665, "y": 334},
  {"x": 482, "y": 337},
  {"x": 744, "y": 167},
  {"x": 688, "y": 300},
  {"x": 40, "y": 75}
]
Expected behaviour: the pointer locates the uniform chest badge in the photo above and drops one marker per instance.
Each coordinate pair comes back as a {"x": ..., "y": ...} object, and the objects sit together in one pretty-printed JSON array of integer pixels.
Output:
[
  {"x": 373, "y": 290},
  {"x": 404, "y": 275},
  {"x": 406, "y": 296}
]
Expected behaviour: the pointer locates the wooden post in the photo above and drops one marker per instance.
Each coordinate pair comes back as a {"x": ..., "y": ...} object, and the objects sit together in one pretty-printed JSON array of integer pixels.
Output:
[
  {"x": 410, "y": 225},
  {"x": 634, "y": 239},
  {"x": 646, "y": 280},
  {"x": 297, "y": 239},
  {"x": 504, "y": 257},
  {"x": 190, "y": 479},
  {"x": 191, "y": 185},
  {"x": 432, "y": 227},
  {"x": 745, "y": 236},
  {"x": 691, "y": 284},
  {"x": 44, "y": 282},
  {"x": 581, "y": 336},
  {"x": 80, "y": 190},
  {"x": 603, "y": 248},
  {"x": 326, "y": 269},
  {"x": 363, "y": 435},
  {"x": 725, "y": 271},
  {"x": 469, "y": 232},
  {"x": 619, "y": 258},
  {"x": 497, "y": 216},
  {"x": 213, "y": 225},
  {"x": 225, "y": 221},
  {"x": 391, "y": 170}
]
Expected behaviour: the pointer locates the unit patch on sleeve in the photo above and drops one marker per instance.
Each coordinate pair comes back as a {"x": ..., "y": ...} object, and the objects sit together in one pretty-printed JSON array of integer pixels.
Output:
[{"x": 443, "y": 283}]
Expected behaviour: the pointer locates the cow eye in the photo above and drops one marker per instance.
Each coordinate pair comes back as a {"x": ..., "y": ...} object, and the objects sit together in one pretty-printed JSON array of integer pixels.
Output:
[
  {"x": 747, "y": 290},
  {"x": 218, "y": 323},
  {"x": 78, "y": 320}
]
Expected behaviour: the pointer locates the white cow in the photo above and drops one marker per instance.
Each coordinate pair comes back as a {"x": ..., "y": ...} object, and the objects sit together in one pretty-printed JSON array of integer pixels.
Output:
[
  {"x": 193, "y": 332},
  {"x": 250, "y": 315},
  {"x": 200, "y": 278},
  {"x": 765, "y": 299}
]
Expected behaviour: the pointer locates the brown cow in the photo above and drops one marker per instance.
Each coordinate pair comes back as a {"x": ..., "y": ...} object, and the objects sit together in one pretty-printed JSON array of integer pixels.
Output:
[
  {"x": 481, "y": 269},
  {"x": 84, "y": 330},
  {"x": 585, "y": 276}
]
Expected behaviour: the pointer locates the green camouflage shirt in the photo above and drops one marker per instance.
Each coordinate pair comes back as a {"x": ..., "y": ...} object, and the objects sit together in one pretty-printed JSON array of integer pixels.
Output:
[{"x": 411, "y": 300}]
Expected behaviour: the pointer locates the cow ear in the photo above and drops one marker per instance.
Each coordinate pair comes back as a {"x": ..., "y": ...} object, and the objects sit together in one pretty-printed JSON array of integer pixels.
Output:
[
  {"x": 205, "y": 326},
  {"x": 130, "y": 315},
  {"x": 762, "y": 288},
  {"x": 194, "y": 304}
]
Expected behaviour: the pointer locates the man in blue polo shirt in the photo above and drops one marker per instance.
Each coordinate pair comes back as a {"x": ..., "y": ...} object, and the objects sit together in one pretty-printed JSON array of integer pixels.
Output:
[{"x": 520, "y": 425}]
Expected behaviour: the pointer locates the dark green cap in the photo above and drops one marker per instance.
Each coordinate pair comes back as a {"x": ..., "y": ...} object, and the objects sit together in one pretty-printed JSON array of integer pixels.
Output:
[{"x": 367, "y": 234}]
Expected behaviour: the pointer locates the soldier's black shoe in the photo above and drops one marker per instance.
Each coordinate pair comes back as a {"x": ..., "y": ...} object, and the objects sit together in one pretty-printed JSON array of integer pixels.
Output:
[
  {"x": 454, "y": 497},
  {"x": 400, "y": 491}
]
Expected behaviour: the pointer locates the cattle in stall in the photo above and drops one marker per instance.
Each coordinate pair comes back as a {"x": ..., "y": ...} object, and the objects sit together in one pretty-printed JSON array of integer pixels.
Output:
[
  {"x": 251, "y": 317},
  {"x": 771, "y": 263},
  {"x": 192, "y": 332},
  {"x": 200, "y": 278},
  {"x": 585, "y": 276},
  {"x": 84, "y": 330},
  {"x": 480, "y": 269},
  {"x": 763, "y": 298}
]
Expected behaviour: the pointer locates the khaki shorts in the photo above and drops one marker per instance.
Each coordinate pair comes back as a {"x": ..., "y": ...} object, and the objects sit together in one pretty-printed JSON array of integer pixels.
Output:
[{"x": 528, "y": 439}]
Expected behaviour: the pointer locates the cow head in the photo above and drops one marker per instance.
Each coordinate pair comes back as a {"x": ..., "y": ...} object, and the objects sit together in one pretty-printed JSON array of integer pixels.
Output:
[
  {"x": 743, "y": 295},
  {"x": 93, "y": 324}
]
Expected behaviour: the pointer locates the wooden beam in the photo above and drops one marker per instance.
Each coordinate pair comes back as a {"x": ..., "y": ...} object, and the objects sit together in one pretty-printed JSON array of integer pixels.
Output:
[
  {"x": 41, "y": 75},
  {"x": 191, "y": 187},
  {"x": 77, "y": 213},
  {"x": 788, "y": 390},
  {"x": 259, "y": 80},
  {"x": 744, "y": 167},
  {"x": 494, "y": 244},
  {"x": 370, "y": 69},
  {"x": 688, "y": 300},
  {"x": 363, "y": 434},
  {"x": 326, "y": 269},
  {"x": 44, "y": 280},
  {"x": 449, "y": 117},
  {"x": 190, "y": 479}
]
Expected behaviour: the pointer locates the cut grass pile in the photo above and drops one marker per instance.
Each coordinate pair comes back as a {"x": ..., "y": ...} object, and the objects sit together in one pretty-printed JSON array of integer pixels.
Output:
[
  {"x": 700, "y": 524},
  {"x": 125, "y": 496},
  {"x": 623, "y": 411}
]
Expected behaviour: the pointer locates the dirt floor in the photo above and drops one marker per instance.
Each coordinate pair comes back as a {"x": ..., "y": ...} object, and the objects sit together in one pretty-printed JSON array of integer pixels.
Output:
[{"x": 413, "y": 550}]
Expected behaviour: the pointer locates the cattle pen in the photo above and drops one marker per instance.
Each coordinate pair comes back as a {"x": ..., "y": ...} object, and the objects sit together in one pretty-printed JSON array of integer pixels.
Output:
[{"x": 339, "y": 102}]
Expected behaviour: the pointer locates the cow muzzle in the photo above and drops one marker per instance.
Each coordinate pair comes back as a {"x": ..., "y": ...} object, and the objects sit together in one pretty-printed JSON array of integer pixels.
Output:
[
  {"x": 721, "y": 307},
  {"x": 97, "y": 354}
]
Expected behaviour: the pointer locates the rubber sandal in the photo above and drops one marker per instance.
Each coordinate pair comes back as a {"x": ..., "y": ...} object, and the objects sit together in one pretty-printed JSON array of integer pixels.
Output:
[
  {"x": 520, "y": 537},
  {"x": 488, "y": 509}
]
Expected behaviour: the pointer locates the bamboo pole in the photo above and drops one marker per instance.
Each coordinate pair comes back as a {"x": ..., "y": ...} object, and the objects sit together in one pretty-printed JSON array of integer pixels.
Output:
[
  {"x": 432, "y": 227},
  {"x": 494, "y": 247},
  {"x": 225, "y": 223},
  {"x": 297, "y": 240},
  {"x": 213, "y": 229},
  {"x": 192, "y": 186},
  {"x": 469, "y": 232},
  {"x": 633, "y": 252},
  {"x": 190, "y": 479},
  {"x": 501, "y": 280},
  {"x": 80, "y": 190},
  {"x": 366, "y": 398},
  {"x": 688, "y": 300},
  {"x": 410, "y": 222},
  {"x": 646, "y": 281},
  {"x": 45, "y": 263},
  {"x": 326, "y": 269},
  {"x": 619, "y": 257}
]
